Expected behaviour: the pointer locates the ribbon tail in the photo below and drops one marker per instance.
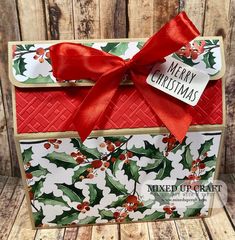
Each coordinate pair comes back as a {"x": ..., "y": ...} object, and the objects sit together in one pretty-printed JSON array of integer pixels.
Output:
[
  {"x": 97, "y": 100},
  {"x": 171, "y": 111}
]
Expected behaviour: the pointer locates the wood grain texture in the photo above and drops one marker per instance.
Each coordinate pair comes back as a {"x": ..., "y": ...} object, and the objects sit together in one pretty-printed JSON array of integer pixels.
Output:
[
  {"x": 22, "y": 228},
  {"x": 84, "y": 233},
  {"x": 32, "y": 19},
  {"x": 218, "y": 223},
  {"x": 162, "y": 230},
  {"x": 52, "y": 234},
  {"x": 195, "y": 9},
  {"x": 70, "y": 233},
  {"x": 10, "y": 202},
  {"x": 230, "y": 94},
  {"x": 140, "y": 18},
  {"x": 113, "y": 19},
  {"x": 191, "y": 229},
  {"x": 163, "y": 11},
  {"x": 9, "y": 31},
  {"x": 134, "y": 231},
  {"x": 86, "y": 19},
  {"x": 105, "y": 232},
  {"x": 59, "y": 19}
]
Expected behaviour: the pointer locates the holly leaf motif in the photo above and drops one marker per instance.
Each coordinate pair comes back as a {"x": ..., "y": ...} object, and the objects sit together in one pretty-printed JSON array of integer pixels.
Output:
[
  {"x": 165, "y": 169},
  {"x": 88, "y": 152},
  {"x": 38, "y": 216},
  {"x": 95, "y": 194},
  {"x": 207, "y": 175},
  {"x": 154, "y": 216},
  {"x": 36, "y": 188},
  {"x": 187, "y": 157},
  {"x": 50, "y": 199},
  {"x": 209, "y": 59},
  {"x": 88, "y": 220},
  {"x": 140, "y": 45},
  {"x": 106, "y": 214},
  {"x": 179, "y": 146},
  {"x": 210, "y": 161},
  {"x": 61, "y": 159},
  {"x": 67, "y": 217},
  {"x": 205, "y": 147},
  {"x": 109, "y": 46},
  {"x": 81, "y": 171},
  {"x": 152, "y": 167},
  {"x": 19, "y": 66},
  {"x": 38, "y": 171},
  {"x": 119, "y": 49},
  {"x": 28, "y": 46},
  {"x": 119, "y": 202},
  {"x": 147, "y": 205},
  {"x": 115, "y": 186},
  {"x": 132, "y": 170},
  {"x": 194, "y": 209},
  {"x": 73, "y": 193},
  {"x": 27, "y": 155},
  {"x": 175, "y": 214},
  {"x": 39, "y": 79},
  {"x": 117, "y": 138}
]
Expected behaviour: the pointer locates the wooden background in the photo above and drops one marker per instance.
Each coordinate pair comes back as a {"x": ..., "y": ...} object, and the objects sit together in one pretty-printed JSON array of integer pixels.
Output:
[{"x": 77, "y": 19}]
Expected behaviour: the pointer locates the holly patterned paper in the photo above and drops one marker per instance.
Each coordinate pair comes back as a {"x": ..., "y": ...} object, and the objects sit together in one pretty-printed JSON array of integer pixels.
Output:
[
  {"x": 106, "y": 179},
  {"x": 31, "y": 62}
]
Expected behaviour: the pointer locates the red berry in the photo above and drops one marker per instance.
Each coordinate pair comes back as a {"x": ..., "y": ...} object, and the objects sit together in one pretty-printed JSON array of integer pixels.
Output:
[
  {"x": 40, "y": 51},
  {"x": 110, "y": 148},
  {"x": 166, "y": 208},
  {"x": 106, "y": 164},
  {"x": 28, "y": 175},
  {"x": 108, "y": 142},
  {"x": 80, "y": 159},
  {"x": 113, "y": 159},
  {"x": 59, "y": 141},
  {"x": 191, "y": 177},
  {"x": 80, "y": 207},
  {"x": 48, "y": 54},
  {"x": 87, "y": 208},
  {"x": 47, "y": 145},
  {"x": 86, "y": 203},
  {"x": 35, "y": 57},
  {"x": 132, "y": 199},
  {"x": 96, "y": 163},
  {"x": 41, "y": 60},
  {"x": 117, "y": 143},
  {"x": 129, "y": 154},
  {"x": 173, "y": 208},
  {"x": 198, "y": 160},
  {"x": 122, "y": 156},
  {"x": 202, "y": 165},
  {"x": 165, "y": 140},
  {"x": 56, "y": 146},
  {"x": 73, "y": 154},
  {"x": 31, "y": 195},
  {"x": 102, "y": 169},
  {"x": 51, "y": 140},
  {"x": 90, "y": 175},
  {"x": 116, "y": 214},
  {"x": 193, "y": 162}
]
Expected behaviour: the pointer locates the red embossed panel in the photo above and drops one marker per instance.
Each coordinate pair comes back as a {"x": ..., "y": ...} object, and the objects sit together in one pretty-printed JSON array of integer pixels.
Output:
[{"x": 49, "y": 109}]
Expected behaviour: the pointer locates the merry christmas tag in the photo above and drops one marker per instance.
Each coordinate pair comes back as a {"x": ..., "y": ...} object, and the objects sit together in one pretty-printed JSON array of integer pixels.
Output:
[{"x": 178, "y": 80}]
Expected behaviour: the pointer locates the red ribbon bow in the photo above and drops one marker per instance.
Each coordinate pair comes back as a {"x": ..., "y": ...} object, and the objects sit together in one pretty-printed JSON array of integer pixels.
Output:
[{"x": 72, "y": 61}]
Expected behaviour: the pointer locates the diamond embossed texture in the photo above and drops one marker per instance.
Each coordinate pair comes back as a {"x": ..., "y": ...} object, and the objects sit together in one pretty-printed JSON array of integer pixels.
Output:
[{"x": 51, "y": 109}]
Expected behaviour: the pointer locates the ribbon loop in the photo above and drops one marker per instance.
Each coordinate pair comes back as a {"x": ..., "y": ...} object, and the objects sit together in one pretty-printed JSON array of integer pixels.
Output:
[{"x": 74, "y": 61}]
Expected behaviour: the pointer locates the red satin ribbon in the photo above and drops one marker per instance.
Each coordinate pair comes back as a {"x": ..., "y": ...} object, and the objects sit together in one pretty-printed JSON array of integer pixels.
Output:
[{"x": 72, "y": 61}]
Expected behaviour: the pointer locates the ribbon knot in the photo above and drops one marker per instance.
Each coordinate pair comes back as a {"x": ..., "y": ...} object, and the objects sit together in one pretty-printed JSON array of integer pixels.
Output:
[{"x": 75, "y": 61}]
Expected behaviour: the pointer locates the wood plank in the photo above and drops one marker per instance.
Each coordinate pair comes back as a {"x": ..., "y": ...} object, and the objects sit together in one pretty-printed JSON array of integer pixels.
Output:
[
  {"x": 86, "y": 19},
  {"x": 191, "y": 229},
  {"x": 22, "y": 228},
  {"x": 163, "y": 11},
  {"x": 9, "y": 31},
  {"x": 32, "y": 19},
  {"x": 195, "y": 9},
  {"x": 105, "y": 232},
  {"x": 10, "y": 202},
  {"x": 140, "y": 17},
  {"x": 218, "y": 223},
  {"x": 52, "y": 234},
  {"x": 229, "y": 179},
  {"x": 230, "y": 94},
  {"x": 59, "y": 19},
  {"x": 3, "y": 180},
  {"x": 113, "y": 19},
  {"x": 162, "y": 230},
  {"x": 84, "y": 233},
  {"x": 133, "y": 231},
  {"x": 70, "y": 233}
]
